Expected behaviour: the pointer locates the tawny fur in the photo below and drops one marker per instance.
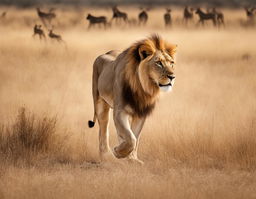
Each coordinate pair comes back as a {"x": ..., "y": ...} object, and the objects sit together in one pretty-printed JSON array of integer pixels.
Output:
[{"x": 129, "y": 83}]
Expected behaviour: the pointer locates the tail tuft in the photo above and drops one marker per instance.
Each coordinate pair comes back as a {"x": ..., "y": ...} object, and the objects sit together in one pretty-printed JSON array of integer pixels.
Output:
[{"x": 91, "y": 124}]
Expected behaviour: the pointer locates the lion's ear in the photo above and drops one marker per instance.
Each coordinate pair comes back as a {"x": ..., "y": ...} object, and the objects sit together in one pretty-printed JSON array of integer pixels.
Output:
[
  {"x": 145, "y": 51},
  {"x": 171, "y": 49}
]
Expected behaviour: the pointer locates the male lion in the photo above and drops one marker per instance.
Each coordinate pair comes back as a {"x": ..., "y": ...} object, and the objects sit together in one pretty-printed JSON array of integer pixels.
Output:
[{"x": 130, "y": 84}]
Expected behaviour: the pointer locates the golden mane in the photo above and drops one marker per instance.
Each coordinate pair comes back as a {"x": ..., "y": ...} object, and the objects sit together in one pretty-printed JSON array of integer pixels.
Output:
[{"x": 138, "y": 90}]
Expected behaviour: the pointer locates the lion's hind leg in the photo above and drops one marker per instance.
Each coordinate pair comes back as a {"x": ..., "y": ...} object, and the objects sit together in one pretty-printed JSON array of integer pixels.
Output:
[{"x": 102, "y": 114}]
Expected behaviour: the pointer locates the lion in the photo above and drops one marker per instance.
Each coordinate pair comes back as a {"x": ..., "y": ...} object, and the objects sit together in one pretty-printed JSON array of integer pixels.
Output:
[{"x": 130, "y": 83}]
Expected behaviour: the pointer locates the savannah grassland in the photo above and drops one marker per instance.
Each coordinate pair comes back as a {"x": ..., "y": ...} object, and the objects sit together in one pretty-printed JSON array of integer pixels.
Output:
[{"x": 199, "y": 143}]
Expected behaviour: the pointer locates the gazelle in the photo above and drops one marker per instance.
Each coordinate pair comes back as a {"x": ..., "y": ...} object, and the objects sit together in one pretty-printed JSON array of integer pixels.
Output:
[
  {"x": 250, "y": 13},
  {"x": 219, "y": 16},
  {"x": 118, "y": 15},
  {"x": 44, "y": 16},
  {"x": 168, "y": 18},
  {"x": 3, "y": 15},
  {"x": 206, "y": 16},
  {"x": 187, "y": 14},
  {"x": 143, "y": 17},
  {"x": 39, "y": 31},
  {"x": 96, "y": 20},
  {"x": 54, "y": 36}
]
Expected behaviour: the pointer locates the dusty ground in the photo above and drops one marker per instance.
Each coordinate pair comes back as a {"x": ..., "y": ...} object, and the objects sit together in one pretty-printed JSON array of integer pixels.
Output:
[{"x": 199, "y": 143}]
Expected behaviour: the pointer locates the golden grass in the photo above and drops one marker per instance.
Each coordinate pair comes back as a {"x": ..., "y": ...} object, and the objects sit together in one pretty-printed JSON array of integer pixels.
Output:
[{"x": 199, "y": 143}]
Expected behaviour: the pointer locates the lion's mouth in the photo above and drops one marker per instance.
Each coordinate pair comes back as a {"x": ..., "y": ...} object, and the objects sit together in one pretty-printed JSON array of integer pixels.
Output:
[{"x": 163, "y": 85}]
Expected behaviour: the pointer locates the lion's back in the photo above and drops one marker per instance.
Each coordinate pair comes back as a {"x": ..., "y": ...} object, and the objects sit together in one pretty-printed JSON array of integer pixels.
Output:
[{"x": 105, "y": 60}]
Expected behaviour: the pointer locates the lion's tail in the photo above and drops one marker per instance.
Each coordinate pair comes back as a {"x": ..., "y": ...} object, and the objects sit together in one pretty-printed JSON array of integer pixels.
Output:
[
  {"x": 91, "y": 123},
  {"x": 95, "y": 93}
]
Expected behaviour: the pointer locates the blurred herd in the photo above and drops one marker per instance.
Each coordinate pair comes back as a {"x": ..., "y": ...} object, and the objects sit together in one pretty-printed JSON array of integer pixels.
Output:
[{"x": 191, "y": 16}]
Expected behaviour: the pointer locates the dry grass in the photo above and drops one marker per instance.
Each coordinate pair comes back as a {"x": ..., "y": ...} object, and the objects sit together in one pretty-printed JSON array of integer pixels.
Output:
[
  {"x": 199, "y": 143},
  {"x": 26, "y": 137}
]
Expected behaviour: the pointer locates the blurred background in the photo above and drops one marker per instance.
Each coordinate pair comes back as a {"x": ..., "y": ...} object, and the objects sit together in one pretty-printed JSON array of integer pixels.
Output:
[
  {"x": 229, "y": 3},
  {"x": 199, "y": 143}
]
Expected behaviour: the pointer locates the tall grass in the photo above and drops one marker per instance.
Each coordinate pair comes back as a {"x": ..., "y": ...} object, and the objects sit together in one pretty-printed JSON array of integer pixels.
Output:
[
  {"x": 199, "y": 143},
  {"x": 28, "y": 137}
]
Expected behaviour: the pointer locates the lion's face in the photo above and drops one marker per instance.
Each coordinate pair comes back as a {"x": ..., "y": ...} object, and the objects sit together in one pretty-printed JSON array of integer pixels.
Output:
[
  {"x": 161, "y": 70},
  {"x": 150, "y": 66},
  {"x": 156, "y": 68}
]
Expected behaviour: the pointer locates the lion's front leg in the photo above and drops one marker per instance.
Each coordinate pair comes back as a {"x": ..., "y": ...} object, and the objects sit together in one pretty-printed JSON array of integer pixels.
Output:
[
  {"x": 136, "y": 125},
  {"x": 126, "y": 137}
]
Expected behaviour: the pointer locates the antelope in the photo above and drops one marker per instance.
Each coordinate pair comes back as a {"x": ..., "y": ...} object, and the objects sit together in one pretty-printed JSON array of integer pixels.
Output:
[
  {"x": 220, "y": 17},
  {"x": 250, "y": 13},
  {"x": 3, "y": 15},
  {"x": 187, "y": 15},
  {"x": 54, "y": 36},
  {"x": 46, "y": 16},
  {"x": 168, "y": 18},
  {"x": 205, "y": 16},
  {"x": 96, "y": 20},
  {"x": 143, "y": 17},
  {"x": 117, "y": 14},
  {"x": 38, "y": 31}
]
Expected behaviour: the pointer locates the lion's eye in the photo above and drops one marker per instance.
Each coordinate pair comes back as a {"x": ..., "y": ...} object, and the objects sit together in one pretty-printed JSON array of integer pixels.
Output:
[
  {"x": 159, "y": 64},
  {"x": 172, "y": 64}
]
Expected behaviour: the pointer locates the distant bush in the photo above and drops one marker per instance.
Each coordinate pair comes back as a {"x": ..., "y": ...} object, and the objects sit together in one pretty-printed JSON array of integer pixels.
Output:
[{"x": 28, "y": 137}]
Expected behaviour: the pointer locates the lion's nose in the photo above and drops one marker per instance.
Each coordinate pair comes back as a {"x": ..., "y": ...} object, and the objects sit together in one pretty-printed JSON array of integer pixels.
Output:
[{"x": 171, "y": 77}]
